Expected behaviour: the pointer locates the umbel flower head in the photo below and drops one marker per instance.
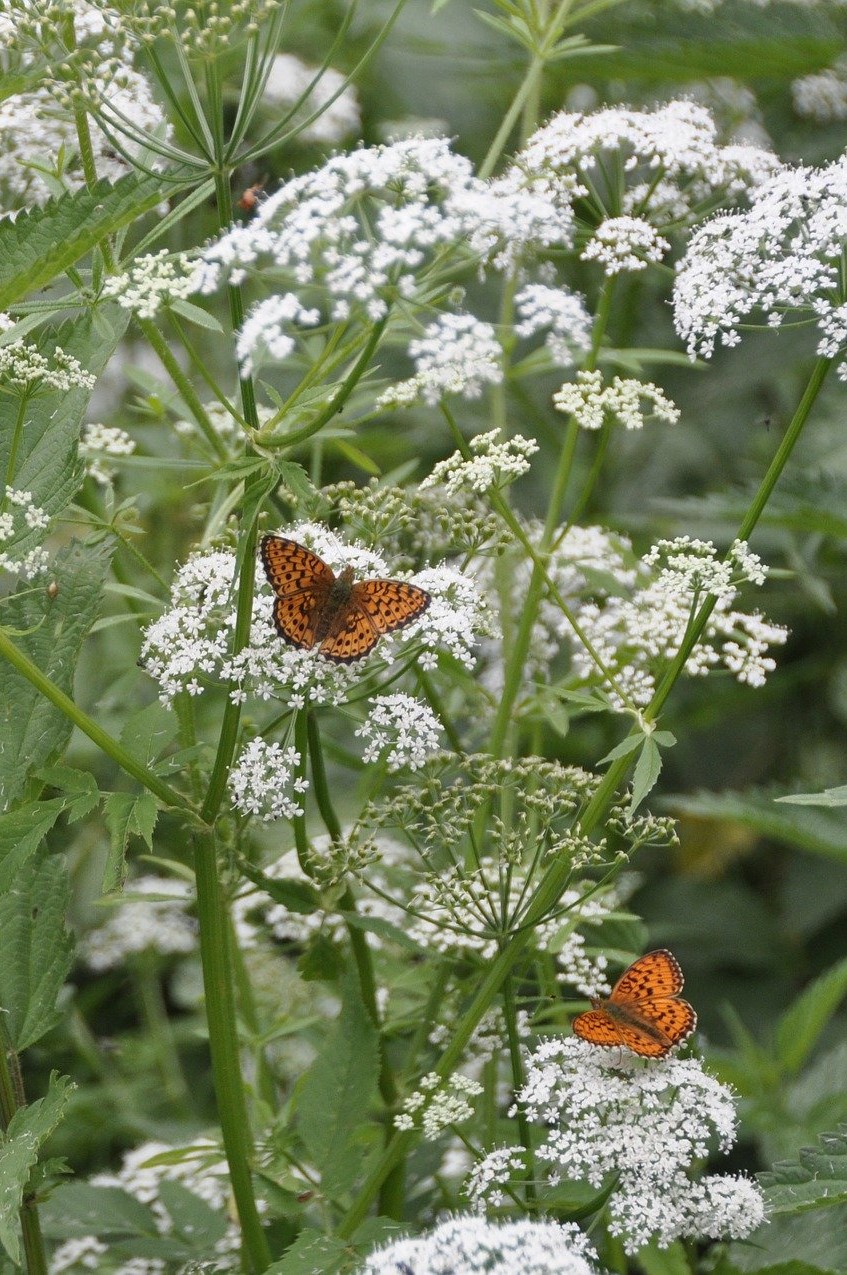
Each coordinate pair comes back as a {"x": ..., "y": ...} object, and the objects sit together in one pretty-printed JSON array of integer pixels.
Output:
[
  {"x": 603, "y": 1112},
  {"x": 782, "y": 257},
  {"x": 466, "y": 1245}
]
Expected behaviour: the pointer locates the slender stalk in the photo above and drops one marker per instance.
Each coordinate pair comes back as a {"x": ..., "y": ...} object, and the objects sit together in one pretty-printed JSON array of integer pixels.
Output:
[
  {"x": 524, "y": 1131},
  {"x": 186, "y": 389},
  {"x": 104, "y": 741},
  {"x": 215, "y": 957},
  {"x": 550, "y": 887},
  {"x": 155, "y": 1016},
  {"x": 16, "y": 441}
]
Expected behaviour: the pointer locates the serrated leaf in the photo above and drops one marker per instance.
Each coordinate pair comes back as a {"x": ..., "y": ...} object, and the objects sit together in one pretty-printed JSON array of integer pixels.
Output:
[
  {"x": 147, "y": 733},
  {"x": 817, "y": 1179},
  {"x": 32, "y": 731},
  {"x": 76, "y": 1209},
  {"x": 42, "y": 243},
  {"x": 629, "y": 745},
  {"x": 28, "y": 1129},
  {"x": 79, "y": 789},
  {"x": 800, "y": 1027},
  {"x": 127, "y": 815},
  {"x": 21, "y": 833},
  {"x": 311, "y": 1252},
  {"x": 336, "y": 1093},
  {"x": 647, "y": 771},
  {"x": 36, "y": 950}
]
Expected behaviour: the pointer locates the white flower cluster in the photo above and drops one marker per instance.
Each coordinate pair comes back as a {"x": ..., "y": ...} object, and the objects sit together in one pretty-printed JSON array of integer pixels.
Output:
[
  {"x": 635, "y": 635},
  {"x": 493, "y": 465},
  {"x": 24, "y": 368},
  {"x": 562, "y": 313},
  {"x": 201, "y": 1169},
  {"x": 625, "y": 243},
  {"x": 475, "y": 1246},
  {"x": 822, "y": 96},
  {"x": 264, "y": 781},
  {"x": 466, "y": 911},
  {"x": 19, "y": 515},
  {"x": 591, "y": 403},
  {"x": 366, "y": 227},
  {"x": 670, "y": 157},
  {"x": 269, "y": 330},
  {"x": 289, "y": 80},
  {"x": 401, "y": 730},
  {"x": 782, "y": 256},
  {"x": 607, "y": 1112},
  {"x": 99, "y": 441},
  {"x": 36, "y": 135},
  {"x": 152, "y": 282},
  {"x": 457, "y": 354},
  {"x": 446, "y": 1103},
  {"x": 158, "y": 923},
  {"x": 189, "y": 645}
]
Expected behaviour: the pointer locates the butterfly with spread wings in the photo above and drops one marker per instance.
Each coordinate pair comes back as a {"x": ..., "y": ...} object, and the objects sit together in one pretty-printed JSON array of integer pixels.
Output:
[
  {"x": 342, "y": 617},
  {"x": 644, "y": 1011}
]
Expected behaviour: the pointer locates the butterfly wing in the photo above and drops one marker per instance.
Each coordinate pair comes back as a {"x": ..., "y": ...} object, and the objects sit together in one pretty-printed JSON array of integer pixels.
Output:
[
  {"x": 655, "y": 975},
  {"x": 291, "y": 567},
  {"x": 675, "y": 1018},
  {"x": 597, "y": 1028},
  {"x": 352, "y": 636},
  {"x": 389, "y": 604},
  {"x": 295, "y": 617}
]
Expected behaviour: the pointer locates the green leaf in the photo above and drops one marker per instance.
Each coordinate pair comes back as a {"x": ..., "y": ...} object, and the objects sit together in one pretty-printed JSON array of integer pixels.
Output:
[
  {"x": 21, "y": 833},
  {"x": 809, "y": 829},
  {"x": 629, "y": 745},
  {"x": 127, "y": 815},
  {"x": 43, "y": 242},
  {"x": 147, "y": 733},
  {"x": 28, "y": 1130},
  {"x": 385, "y": 929},
  {"x": 817, "y": 1179},
  {"x": 663, "y": 1261},
  {"x": 32, "y": 732},
  {"x": 194, "y": 314},
  {"x": 337, "y": 1091},
  {"x": 829, "y": 797},
  {"x": 297, "y": 896},
  {"x": 193, "y": 1220},
  {"x": 647, "y": 771},
  {"x": 800, "y": 1027},
  {"x": 77, "y": 1209},
  {"x": 79, "y": 787},
  {"x": 311, "y": 1252},
  {"x": 35, "y": 948}
]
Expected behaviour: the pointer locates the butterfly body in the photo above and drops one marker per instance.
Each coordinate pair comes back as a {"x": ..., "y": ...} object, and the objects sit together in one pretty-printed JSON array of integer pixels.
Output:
[
  {"x": 342, "y": 617},
  {"x": 644, "y": 1012}
]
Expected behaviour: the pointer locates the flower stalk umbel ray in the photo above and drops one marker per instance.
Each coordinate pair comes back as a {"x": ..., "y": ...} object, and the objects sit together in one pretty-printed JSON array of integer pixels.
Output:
[{"x": 554, "y": 880}]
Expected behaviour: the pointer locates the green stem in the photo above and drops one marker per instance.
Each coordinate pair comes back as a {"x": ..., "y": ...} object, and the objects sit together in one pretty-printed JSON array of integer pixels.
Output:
[
  {"x": 554, "y": 881},
  {"x": 518, "y": 1078},
  {"x": 350, "y": 382},
  {"x": 186, "y": 389},
  {"x": 105, "y": 742},
  {"x": 215, "y": 956},
  {"x": 160, "y": 1031}
]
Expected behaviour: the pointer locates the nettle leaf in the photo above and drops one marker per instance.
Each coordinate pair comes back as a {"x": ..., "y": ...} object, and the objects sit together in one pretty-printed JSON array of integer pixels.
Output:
[
  {"x": 42, "y": 242},
  {"x": 127, "y": 815},
  {"x": 28, "y": 1130},
  {"x": 35, "y": 948},
  {"x": 337, "y": 1091},
  {"x": 194, "y": 1221},
  {"x": 80, "y": 794},
  {"x": 817, "y": 1179},
  {"x": 32, "y": 731},
  {"x": 47, "y": 463},
  {"x": 800, "y": 1027},
  {"x": 21, "y": 833},
  {"x": 147, "y": 733}
]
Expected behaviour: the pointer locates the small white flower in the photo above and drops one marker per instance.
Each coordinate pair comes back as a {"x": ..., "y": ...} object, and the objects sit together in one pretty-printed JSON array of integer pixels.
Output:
[
  {"x": 493, "y": 466},
  {"x": 822, "y": 96},
  {"x": 400, "y": 728},
  {"x": 447, "y": 1103},
  {"x": 152, "y": 283},
  {"x": 457, "y": 354},
  {"x": 19, "y": 517},
  {"x": 263, "y": 781},
  {"x": 466, "y": 1245},
  {"x": 24, "y": 368},
  {"x": 99, "y": 441},
  {"x": 539, "y": 306},
  {"x": 625, "y": 243},
  {"x": 591, "y": 403}
]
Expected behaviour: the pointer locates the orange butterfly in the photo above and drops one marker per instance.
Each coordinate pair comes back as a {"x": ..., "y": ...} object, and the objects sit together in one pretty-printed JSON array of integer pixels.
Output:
[
  {"x": 343, "y": 618},
  {"x": 644, "y": 1011}
]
